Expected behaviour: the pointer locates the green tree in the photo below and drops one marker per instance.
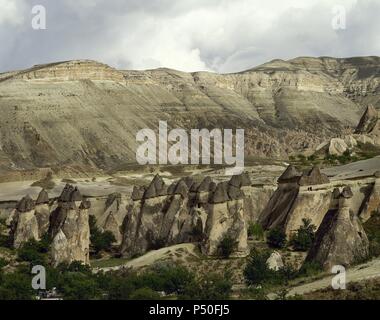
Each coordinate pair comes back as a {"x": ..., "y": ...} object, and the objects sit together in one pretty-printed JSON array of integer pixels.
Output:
[
  {"x": 276, "y": 238},
  {"x": 100, "y": 240},
  {"x": 227, "y": 246},
  {"x": 256, "y": 231},
  {"x": 16, "y": 286},
  {"x": 257, "y": 271},
  {"x": 209, "y": 287},
  {"x": 144, "y": 294},
  {"x": 34, "y": 252},
  {"x": 304, "y": 237}
]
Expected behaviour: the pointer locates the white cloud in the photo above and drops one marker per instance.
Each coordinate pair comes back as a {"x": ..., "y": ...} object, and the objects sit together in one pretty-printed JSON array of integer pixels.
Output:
[
  {"x": 189, "y": 35},
  {"x": 11, "y": 12}
]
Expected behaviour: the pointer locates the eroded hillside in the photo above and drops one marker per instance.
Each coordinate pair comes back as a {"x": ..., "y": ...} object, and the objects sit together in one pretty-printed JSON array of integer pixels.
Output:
[{"x": 85, "y": 114}]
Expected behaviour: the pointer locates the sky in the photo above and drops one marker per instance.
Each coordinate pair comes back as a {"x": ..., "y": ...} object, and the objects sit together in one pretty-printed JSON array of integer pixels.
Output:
[{"x": 189, "y": 35}]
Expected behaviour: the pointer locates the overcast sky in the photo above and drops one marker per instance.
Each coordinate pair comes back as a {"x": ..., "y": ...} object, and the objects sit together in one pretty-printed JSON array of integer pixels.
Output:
[{"x": 189, "y": 35}]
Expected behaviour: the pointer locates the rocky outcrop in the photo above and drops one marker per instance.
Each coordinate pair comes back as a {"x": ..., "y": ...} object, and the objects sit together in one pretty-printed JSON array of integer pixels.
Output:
[
  {"x": 340, "y": 239},
  {"x": 372, "y": 203},
  {"x": 69, "y": 228},
  {"x": 186, "y": 211},
  {"x": 275, "y": 261},
  {"x": 368, "y": 120},
  {"x": 295, "y": 200},
  {"x": 337, "y": 147},
  {"x": 113, "y": 215},
  {"x": 24, "y": 226},
  {"x": 313, "y": 177},
  {"x": 162, "y": 217},
  {"x": 42, "y": 212},
  {"x": 30, "y": 219}
]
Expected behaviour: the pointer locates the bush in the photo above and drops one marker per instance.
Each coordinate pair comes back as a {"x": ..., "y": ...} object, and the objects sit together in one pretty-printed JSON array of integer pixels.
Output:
[
  {"x": 372, "y": 229},
  {"x": 3, "y": 263},
  {"x": 310, "y": 269},
  {"x": 276, "y": 238},
  {"x": 79, "y": 286},
  {"x": 144, "y": 294},
  {"x": 257, "y": 271},
  {"x": 304, "y": 237},
  {"x": 16, "y": 286},
  {"x": 256, "y": 231},
  {"x": 209, "y": 287},
  {"x": 5, "y": 241},
  {"x": 100, "y": 240},
  {"x": 227, "y": 246},
  {"x": 34, "y": 252}
]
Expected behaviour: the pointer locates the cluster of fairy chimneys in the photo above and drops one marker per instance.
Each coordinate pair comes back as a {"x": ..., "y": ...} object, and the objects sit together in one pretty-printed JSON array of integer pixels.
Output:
[
  {"x": 309, "y": 177},
  {"x": 221, "y": 192},
  {"x": 70, "y": 197},
  {"x": 341, "y": 198}
]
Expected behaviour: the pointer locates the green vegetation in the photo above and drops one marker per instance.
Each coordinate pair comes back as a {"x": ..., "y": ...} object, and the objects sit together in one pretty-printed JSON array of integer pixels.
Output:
[
  {"x": 35, "y": 252},
  {"x": 304, "y": 237},
  {"x": 310, "y": 269},
  {"x": 372, "y": 229},
  {"x": 276, "y": 238},
  {"x": 226, "y": 246},
  {"x": 256, "y": 231},
  {"x": 366, "y": 290},
  {"x": 345, "y": 158},
  {"x": 209, "y": 287},
  {"x": 100, "y": 240},
  {"x": 367, "y": 150},
  {"x": 257, "y": 271}
]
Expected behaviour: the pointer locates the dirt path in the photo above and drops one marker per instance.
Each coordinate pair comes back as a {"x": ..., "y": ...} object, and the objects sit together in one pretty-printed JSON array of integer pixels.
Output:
[
  {"x": 361, "y": 272},
  {"x": 173, "y": 252}
]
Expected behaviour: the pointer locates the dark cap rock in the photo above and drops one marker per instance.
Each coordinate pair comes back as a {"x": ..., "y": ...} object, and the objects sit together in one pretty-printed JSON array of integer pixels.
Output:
[
  {"x": 221, "y": 193},
  {"x": 25, "y": 204},
  {"x": 347, "y": 192},
  {"x": 205, "y": 185},
  {"x": 75, "y": 195},
  {"x": 43, "y": 197},
  {"x": 138, "y": 193},
  {"x": 85, "y": 204}
]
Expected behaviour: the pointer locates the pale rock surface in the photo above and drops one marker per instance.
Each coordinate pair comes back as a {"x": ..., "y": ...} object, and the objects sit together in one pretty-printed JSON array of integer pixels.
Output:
[
  {"x": 337, "y": 147},
  {"x": 373, "y": 202},
  {"x": 275, "y": 261},
  {"x": 340, "y": 239}
]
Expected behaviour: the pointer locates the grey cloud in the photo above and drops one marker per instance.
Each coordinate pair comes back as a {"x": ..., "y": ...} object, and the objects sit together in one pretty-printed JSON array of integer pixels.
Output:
[{"x": 223, "y": 36}]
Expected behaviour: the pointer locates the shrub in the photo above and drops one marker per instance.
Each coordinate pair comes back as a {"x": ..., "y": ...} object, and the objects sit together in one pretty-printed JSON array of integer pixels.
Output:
[
  {"x": 304, "y": 237},
  {"x": 209, "y": 287},
  {"x": 16, "y": 286},
  {"x": 3, "y": 263},
  {"x": 100, "y": 240},
  {"x": 309, "y": 269},
  {"x": 276, "y": 238},
  {"x": 144, "y": 294},
  {"x": 372, "y": 229},
  {"x": 256, "y": 231},
  {"x": 79, "y": 286},
  {"x": 34, "y": 252},
  {"x": 227, "y": 246},
  {"x": 257, "y": 271}
]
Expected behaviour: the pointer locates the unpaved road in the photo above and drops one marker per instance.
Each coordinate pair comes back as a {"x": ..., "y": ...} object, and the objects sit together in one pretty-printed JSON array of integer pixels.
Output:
[
  {"x": 361, "y": 272},
  {"x": 183, "y": 249}
]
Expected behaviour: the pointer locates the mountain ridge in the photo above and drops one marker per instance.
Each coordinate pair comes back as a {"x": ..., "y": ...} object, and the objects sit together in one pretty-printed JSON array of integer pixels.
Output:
[{"x": 85, "y": 113}]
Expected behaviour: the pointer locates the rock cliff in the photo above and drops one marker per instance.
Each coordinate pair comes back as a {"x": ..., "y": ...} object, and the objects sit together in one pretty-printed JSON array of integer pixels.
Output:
[
  {"x": 187, "y": 211},
  {"x": 340, "y": 239},
  {"x": 85, "y": 114}
]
